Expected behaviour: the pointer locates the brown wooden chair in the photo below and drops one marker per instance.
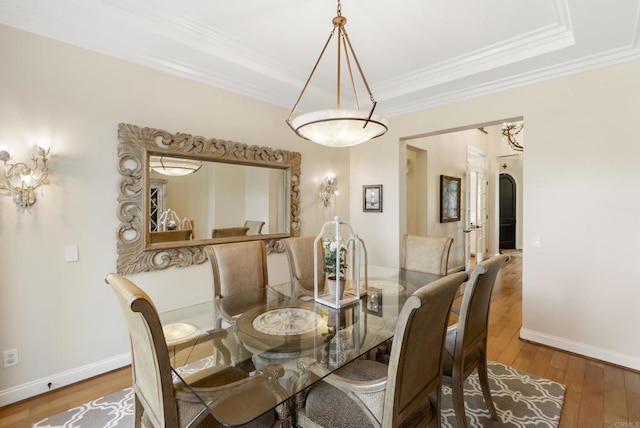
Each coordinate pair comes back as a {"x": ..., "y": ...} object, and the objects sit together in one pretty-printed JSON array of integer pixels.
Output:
[
  {"x": 466, "y": 345},
  {"x": 405, "y": 393},
  {"x": 158, "y": 402},
  {"x": 300, "y": 255},
  {"x": 425, "y": 254},
  {"x": 237, "y": 267}
]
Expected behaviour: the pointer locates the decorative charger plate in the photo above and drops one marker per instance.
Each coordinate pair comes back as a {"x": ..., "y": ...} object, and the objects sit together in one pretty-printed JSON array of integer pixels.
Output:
[
  {"x": 290, "y": 329},
  {"x": 386, "y": 286},
  {"x": 286, "y": 321},
  {"x": 177, "y": 332}
]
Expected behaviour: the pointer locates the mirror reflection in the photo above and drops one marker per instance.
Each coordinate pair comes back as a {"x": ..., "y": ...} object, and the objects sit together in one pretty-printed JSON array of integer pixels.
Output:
[
  {"x": 231, "y": 192},
  {"x": 215, "y": 200}
]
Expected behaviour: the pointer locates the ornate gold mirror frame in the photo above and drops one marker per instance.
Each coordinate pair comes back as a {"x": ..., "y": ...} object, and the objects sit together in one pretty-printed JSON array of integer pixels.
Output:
[{"x": 136, "y": 253}]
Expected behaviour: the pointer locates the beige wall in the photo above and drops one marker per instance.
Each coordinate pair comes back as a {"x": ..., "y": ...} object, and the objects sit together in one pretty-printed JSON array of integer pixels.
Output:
[
  {"x": 581, "y": 181},
  {"x": 61, "y": 316}
]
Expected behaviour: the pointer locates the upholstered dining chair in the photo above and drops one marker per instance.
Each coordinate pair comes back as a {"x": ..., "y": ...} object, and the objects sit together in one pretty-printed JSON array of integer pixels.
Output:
[
  {"x": 255, "y": 227},
  {"x": 466, "y": 343},
  {"x": 407, "y": 392},
  {"x": 300, "y": 256},
  {"x": 158, "y": 402},
  {"x": 426, "y": 254},
  {"x": 237, "y": 267}
]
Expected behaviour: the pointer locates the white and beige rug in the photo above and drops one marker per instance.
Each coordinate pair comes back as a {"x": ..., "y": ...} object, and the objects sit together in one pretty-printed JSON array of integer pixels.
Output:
[{"x": 522, "y": 400}]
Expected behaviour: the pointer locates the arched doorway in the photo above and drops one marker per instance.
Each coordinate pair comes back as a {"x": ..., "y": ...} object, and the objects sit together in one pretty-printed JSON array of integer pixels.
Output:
[{"x": 507, "y": 212}]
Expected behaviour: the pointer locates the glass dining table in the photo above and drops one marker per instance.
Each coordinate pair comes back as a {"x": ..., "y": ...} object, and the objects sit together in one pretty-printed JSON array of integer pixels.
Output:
[{"x": 289, "y": 343}]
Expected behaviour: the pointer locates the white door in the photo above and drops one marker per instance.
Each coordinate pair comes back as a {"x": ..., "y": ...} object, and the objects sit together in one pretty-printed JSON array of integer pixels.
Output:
[
  {"x": 475, "y": 230},
  {"x": 481, "y": 215}
]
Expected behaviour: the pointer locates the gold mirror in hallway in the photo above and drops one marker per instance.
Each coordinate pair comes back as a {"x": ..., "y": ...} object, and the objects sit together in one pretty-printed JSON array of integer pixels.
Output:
[{"x": 275, "y": 175}]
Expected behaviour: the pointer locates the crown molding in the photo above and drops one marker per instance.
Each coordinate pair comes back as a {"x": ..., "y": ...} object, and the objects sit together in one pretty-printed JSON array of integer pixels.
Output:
[{"x": 593, "y": 62}]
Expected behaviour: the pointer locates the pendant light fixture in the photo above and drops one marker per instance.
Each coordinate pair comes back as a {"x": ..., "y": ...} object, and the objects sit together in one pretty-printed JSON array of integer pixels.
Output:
[
  {"x": 174, "y": 166},
  {"x": 509, "y": 132},
  {"x": 339, "y": 127}
]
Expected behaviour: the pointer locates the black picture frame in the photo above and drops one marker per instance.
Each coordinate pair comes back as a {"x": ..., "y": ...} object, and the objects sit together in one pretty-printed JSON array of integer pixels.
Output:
[
  {"x": 450, "y": 190},
  {"x": 374, "y": 301},
  {"x": 372, "y": 198}
]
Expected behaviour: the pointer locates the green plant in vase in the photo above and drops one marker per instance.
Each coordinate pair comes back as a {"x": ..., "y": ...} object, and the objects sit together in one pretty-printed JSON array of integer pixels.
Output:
[{"x": 335, "y": 274}]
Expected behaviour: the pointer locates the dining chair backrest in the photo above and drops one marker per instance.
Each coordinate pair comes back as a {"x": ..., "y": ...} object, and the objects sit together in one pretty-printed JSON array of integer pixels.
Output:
[
  {"x": 255, "y": 227},
  {"x": 238, "y": 267},
  {"x": 474, "y": 312},
  {"x": 415, "y": 364},
  {"x": 301, "y": 264},
  {"x": 152, "y": 381},
  {"x": 426, "y": 254},
  {"x": 466, "y": 345}
]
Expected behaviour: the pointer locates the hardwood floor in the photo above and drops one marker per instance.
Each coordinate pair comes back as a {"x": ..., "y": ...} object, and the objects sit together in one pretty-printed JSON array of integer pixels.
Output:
[
  {"x": 27, "y": 412},
  {"x": 598, "y": 394}
]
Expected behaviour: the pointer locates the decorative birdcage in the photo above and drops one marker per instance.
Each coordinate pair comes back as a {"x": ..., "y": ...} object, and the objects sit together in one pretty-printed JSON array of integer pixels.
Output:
[{"x": 345, "y": 259}]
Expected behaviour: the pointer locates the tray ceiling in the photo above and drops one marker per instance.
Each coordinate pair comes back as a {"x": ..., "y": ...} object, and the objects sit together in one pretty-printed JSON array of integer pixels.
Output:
[{"x": 415, "y": 53}]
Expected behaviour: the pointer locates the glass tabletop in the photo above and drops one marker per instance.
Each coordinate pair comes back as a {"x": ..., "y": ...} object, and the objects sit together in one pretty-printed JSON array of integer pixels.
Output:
[{"x": 286, "y": 344}]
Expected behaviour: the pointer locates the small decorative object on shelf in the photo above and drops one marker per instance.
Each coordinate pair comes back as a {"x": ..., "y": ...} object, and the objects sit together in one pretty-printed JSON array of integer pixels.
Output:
[
  {"x": 169, "y": 220},
  {"x": 344, "y": 284}
]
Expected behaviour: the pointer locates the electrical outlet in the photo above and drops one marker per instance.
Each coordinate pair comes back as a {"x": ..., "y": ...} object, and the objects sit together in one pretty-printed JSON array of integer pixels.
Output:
[{"x": 10, "y": 358}]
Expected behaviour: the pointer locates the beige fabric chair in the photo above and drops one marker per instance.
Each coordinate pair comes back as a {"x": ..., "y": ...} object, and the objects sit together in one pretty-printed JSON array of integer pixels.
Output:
[
  {"x": 158, "y": 402},
  {"x": 226, "y": 232},
  {"x": 405, "y": 393},
  {"x": 236, "y": 267},
  {"x": 300, "y": 255},
  {"x": 426, "y": 254},
  {"x": 466, "y": 345},
  {"x": 255, "y": 227}
]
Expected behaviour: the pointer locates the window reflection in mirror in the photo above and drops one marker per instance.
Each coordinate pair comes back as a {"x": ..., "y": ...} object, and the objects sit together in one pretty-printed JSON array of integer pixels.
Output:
[{"x": 220, "y": 200}]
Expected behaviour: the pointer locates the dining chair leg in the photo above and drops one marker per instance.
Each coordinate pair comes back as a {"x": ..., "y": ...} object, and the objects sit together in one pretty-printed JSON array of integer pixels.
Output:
[
  {"x": 137, "y": 411},
  {"x": 484, "y": 383},
  {"x": 457, "y": 392},
  {"x": 436, "y": 402}
]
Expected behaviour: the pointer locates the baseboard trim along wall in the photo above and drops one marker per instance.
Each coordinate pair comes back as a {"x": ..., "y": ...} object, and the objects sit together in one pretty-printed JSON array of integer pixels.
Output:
[
  {"x": 590, "y": 351},
  {"x": 37, "y": 387}
]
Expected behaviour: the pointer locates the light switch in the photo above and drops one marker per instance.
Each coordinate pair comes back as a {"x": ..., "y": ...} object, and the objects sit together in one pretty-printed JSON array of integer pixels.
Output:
[
  {"x": 71, "y": 253},
  {"x": 535, "y": 241}
]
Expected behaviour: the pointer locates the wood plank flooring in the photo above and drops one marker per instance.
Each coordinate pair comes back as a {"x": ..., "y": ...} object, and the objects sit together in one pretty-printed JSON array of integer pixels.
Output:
[{"x": 598, "y": 394}]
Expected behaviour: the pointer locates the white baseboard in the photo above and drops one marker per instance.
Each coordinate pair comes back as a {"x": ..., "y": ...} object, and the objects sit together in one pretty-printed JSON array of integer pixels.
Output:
[
  {"x": 595, "y": 352},
  {"x": 37, "y": 387}
]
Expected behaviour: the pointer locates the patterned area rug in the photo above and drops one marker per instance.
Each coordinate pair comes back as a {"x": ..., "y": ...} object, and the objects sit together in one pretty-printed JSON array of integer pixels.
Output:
[
  {"x": 114, "y": 410},
  {"x": 522, "y": 400}
]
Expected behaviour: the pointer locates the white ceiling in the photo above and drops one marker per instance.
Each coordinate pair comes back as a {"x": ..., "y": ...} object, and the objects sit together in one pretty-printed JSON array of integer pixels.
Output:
[{"x": 415, "y": 53}]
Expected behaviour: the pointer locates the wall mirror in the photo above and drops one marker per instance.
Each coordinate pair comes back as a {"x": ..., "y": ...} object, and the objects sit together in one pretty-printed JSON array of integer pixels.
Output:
[{"x": 229, "y": 192}]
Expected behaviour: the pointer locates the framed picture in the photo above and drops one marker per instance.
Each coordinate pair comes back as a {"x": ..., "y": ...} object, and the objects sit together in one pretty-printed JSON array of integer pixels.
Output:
[
  {"x": 372, "y": 198},
  {"x": 449, "y": 198},
  {"x": 374, "y": 301}
]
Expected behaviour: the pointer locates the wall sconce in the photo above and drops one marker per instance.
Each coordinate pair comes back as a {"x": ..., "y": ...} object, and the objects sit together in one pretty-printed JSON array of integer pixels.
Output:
[
  {"x": 20, "y": 180},
  {"x": 330, "y": 190}
]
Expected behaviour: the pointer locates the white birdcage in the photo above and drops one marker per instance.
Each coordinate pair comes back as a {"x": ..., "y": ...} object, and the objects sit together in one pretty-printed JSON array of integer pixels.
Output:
[
  {"x": 355, "y": 268},
  {"x": 169, "y": 220}
]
